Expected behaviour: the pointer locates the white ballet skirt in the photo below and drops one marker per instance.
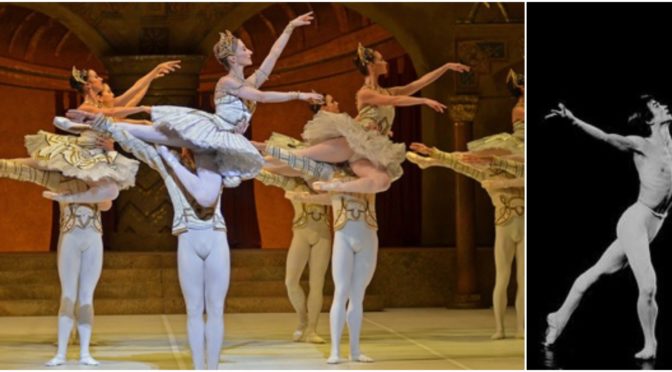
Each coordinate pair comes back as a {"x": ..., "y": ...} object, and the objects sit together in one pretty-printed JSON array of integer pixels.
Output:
[
  {"x": 79, "y": 157},
  {"x": 368, "y": 144},
  {"x": 221, "y": 132},
  {"x": 515, "y": 143}
]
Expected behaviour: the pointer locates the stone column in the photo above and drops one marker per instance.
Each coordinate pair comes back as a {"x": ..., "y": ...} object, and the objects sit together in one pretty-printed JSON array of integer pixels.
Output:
[
  {"x": 142, "y": 217},
  {"x": 463, "y": 111}
]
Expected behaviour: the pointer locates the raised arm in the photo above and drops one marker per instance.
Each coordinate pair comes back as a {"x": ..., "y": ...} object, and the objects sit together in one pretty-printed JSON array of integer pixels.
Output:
[
  {"x": 264, "y": 71},
  {"x": 371, "y": 97},
  {"x": 204, "y": 185},
  {"x": 623, "y": 143},
  {"x": 136, "y": 93},
  {"x": 426, "y": 79}
]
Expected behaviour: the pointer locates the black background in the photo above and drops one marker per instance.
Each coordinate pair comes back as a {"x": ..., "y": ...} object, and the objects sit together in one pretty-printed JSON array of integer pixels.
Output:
[{"x": 597, "y": 59}]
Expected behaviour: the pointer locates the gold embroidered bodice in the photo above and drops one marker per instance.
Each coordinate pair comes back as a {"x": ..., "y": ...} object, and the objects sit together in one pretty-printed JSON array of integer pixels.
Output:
[
  {"x": 82, "y": 216},
  {"x": 354, "y": 207}
]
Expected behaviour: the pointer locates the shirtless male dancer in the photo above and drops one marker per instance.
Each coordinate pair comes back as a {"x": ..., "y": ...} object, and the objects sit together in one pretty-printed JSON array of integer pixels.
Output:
[{"x": 638, "y": 225}]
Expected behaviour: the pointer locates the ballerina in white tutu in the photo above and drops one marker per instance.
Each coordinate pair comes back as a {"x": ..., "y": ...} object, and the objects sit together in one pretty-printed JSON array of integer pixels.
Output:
[
  {"x": 221, "y": 133},
  {"x": 363, "y": 142}
]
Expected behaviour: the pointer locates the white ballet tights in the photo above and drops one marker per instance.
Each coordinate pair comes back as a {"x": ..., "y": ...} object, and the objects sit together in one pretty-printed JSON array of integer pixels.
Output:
[
  {"x": 509, "y": 243},
  {"x": 80, "y": 261},
  {"x": 353, "y": 264},
  {"x": 312, "y": 245},
  {"x": 203, "y": 265}
]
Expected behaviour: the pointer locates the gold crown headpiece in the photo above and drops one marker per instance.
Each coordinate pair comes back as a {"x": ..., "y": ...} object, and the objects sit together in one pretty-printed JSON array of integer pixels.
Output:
[
  {"x": 362, "y": 54},
  {"x": 226, "y": 46},
  {"x": 79, "y": 75},
  {"x": 515, "y": 79}
]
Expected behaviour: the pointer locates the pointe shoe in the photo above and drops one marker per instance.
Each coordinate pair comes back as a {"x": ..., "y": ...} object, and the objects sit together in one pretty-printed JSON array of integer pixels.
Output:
[
  {"x": 553, "y": 330},
  {"x": 56, "y": 361},
  {"x": 361, "y": 358},
  {"x": 298, "y": 335},
  {"x": 326, "y": 185},
  {"x": 87, "y": 360},
  {"x": 313, "y": 338},
  {"x": 335, "y": 359},
  {"x": 231, "y": 181},
  {"x": 646, "y": 353}
]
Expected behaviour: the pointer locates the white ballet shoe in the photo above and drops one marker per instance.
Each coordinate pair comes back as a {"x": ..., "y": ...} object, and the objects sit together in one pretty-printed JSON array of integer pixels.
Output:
[
  {"x": 58, "y": 360},
  {"x": 326, "y": 185},
  {"x": 87, "y": 360},
  {"x": 335, "y": 359},
  {"x": 313, "y": 338},
  {"x": 361, "y": 358},
  {"x": 297, "y": 336},
  {"x": 553, "y": 330},
  {"x": 231, "y": 181}
]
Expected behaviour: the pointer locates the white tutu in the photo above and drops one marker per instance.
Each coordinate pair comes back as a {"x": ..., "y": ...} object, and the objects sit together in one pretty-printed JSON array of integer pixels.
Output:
[
  {"x": 515, "y": 143},
  {"x": 235, "y": 155},
  {"x": 80, "y": 158},
  {"x": 366, "y": 144}
]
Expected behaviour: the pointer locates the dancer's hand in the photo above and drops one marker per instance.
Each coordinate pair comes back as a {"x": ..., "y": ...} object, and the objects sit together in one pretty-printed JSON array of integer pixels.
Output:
[
  {"x": 53, "y": 195},
  {"x": 302, "y": 20},
  {"x": 435, "y": 105},
  {"x": 105, "y": 143},
  {"x": 458, "y": 67},
  {"x": 80, "y": 116},
  {"x": 561, "y": 112},
  {"x": 166, "y": 68},
  {"x": 421, "y": 148},
  {"x": 314, "y": 98}
]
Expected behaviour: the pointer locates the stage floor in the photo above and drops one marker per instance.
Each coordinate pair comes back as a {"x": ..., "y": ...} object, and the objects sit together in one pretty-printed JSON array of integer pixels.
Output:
[{"x": 425, "y": 338}]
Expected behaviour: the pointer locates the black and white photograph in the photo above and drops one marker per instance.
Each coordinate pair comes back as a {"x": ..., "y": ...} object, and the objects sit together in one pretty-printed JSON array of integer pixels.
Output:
[{"x": 600, "y": 155}]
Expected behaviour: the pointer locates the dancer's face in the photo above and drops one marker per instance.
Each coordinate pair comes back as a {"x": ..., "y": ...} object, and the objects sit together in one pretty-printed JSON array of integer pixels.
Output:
[
  {"x": 95, "y": 81},
  {"x": 243, "y": 55},
  {"x": 330, "y": 104},
  {"x": 378, "y": 66},
  {"x": 107, "y": 96},
  {"x": 660, "y": 112}
]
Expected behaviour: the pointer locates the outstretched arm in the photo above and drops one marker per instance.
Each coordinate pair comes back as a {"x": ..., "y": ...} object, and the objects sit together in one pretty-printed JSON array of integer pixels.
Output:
[
  {"x": 261, "y": 75},
  {"x": 371, "y": 97},
  {"x": 426, "y": 79},
  {"x": 250, "y": 93},
  {"x": 136, "y": 93},
  {"x": 204, "y": 185},
  {"x": 623, "y": 143}
]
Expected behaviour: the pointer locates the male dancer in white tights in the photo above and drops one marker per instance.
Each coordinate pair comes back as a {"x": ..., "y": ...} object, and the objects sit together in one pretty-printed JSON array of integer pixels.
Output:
[
  {"x": 638, "y": 225},
  {"x": 80, "y": 252},
  {"x": 203, "y": 249}
]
